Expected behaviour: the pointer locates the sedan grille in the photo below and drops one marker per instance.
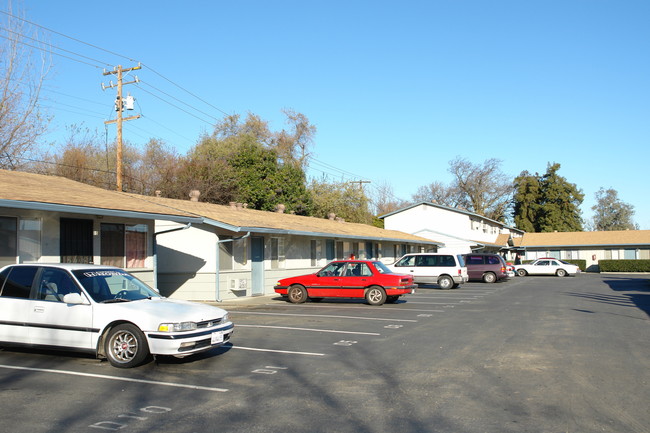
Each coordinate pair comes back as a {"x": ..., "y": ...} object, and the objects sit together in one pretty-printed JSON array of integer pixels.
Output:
[{"x": 208, "y": 323}]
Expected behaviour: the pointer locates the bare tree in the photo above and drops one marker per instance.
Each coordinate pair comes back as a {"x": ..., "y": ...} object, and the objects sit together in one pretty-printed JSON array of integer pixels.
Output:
[
  {"x": 293, "y": 146},
  {"x": 437, "y": 192},
  {"x": 384, "y": 200},
  {"x": 487, "y": 190},
  {"x": 22, "y": 73},
  {"x": 482, "y": 189}
]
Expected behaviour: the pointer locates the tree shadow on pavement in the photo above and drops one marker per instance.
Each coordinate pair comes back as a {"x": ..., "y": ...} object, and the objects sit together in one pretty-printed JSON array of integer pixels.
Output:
[{"x": 632, "y": 292}]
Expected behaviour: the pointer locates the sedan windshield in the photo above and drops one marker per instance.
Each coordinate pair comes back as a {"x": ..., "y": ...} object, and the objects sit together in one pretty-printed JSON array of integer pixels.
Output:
[{"x": 113, "y": 285}]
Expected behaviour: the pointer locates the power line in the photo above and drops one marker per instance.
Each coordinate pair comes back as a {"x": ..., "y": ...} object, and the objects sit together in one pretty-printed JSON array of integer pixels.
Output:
[
  {"x": 51, "y": 52},
  {"x": 185, "y": 90},
  {"x": 176, "y": 106},
  {"x": 51, "y": 46},
  {"x": 176, "y": 99},
  {"x": 69, "y": 37}
]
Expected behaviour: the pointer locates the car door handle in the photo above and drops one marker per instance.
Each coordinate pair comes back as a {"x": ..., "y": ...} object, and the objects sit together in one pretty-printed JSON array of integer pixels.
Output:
[{"x": 38, "y": 309}]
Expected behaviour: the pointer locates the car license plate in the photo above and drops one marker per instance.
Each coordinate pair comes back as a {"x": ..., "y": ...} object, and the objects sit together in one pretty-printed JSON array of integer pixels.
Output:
[{"x": 216, "y": 338}]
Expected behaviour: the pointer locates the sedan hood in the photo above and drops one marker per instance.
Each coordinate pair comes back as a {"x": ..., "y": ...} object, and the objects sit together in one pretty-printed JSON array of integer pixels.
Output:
[{"x": 149, "y": 313}]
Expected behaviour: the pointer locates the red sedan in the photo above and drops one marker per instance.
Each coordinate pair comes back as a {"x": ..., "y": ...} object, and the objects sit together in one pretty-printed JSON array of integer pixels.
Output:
[{"x": 367, "y": 279}]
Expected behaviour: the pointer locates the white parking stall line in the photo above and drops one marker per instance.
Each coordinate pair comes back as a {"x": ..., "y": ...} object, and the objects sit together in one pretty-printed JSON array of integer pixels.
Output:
[
  {"x": 322, "y": 315},
  {"x": 106, "y": 377},
  {"x": 239, "y": 325},
  {"x": 407, "y": 310},
  {"x": 431, "y": 303},
  {"x": 255, "y": 349},
  {"x": 337, "y": 306}
]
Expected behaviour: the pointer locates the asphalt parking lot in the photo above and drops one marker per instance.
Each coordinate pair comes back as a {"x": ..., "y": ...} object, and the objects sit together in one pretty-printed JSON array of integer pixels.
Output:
[{"x": 533, "y": 354}]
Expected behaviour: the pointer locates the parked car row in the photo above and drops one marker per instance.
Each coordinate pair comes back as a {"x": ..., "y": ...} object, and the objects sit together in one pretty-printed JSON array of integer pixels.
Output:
[
  {"x": 378, "y": 283},
  {"x": 105, "y": 311}
]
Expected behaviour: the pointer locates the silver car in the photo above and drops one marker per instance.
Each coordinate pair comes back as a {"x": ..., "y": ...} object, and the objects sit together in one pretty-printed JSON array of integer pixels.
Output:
[{"x": 446, "y": 270}]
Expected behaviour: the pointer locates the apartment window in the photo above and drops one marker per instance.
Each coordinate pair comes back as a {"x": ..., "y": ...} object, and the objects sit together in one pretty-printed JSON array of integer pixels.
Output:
[
  {"x": 123, "y": 245},
  {"x": 29, "y": 240},
  {"x": 8, "y": 244},
  {"x": 340, "y": 251},
  {"x": 315, "y": 252},
  {"x": 20, "y": 239},
  {"x": 240, "y": 253},
  {"x": 225, "y": 253},
  {"x": 277, "y": 253},
  {"x": 355, "y": 249},
  {"x": 629, "y": 254}
]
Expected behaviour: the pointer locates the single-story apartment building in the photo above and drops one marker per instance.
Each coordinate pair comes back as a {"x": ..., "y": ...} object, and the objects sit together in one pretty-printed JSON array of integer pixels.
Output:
[
  {"x": 589, "y": 246},
  {"x": 186, "y": 249},
  {"x": 237, "y": 252},
  {"x": 50, "y": 219}
]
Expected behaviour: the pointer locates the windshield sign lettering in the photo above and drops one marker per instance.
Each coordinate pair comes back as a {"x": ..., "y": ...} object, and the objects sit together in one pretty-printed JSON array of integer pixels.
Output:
[{"x": 104, "y": 274}]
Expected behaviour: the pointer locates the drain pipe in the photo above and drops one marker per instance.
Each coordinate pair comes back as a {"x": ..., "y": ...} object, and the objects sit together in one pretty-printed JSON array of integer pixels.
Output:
[
  {"x": 155, "y": 251},
  {"x": 217, "y": 271}
]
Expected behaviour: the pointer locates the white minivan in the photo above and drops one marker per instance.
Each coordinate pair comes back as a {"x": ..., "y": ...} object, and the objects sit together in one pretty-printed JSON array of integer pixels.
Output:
[{"x": 446, "y": 270}]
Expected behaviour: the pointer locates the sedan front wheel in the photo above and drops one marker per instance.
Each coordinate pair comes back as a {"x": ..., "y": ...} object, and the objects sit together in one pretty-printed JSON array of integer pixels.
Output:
[
  {"x": 522, "y": 272},
  {"x": 126, "y": 346},
  {"x": 297, "y": 294}
]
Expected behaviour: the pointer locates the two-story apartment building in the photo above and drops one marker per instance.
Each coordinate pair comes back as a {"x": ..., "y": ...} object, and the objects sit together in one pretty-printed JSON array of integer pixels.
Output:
[{"x": 459, "y": 230}]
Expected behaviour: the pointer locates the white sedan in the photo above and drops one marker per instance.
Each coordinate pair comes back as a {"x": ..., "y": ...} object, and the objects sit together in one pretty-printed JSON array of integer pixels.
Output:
[
  {"x": 548, "y": 266},
  {"x": 102, "y": 310}
]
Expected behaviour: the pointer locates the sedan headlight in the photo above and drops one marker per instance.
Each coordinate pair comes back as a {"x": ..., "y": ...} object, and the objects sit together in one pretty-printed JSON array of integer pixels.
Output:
[
  {"x": 225, "y": 318},
  {"x": 177, "y": 327}
]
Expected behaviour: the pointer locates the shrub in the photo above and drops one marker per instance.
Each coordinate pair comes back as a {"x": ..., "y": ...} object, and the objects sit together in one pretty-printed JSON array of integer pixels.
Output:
[
  {"x": 581, "y": 263},
  {"x": 624, "y": 265}
]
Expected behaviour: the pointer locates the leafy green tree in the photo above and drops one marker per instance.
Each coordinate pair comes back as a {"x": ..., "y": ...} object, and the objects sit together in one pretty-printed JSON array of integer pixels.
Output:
[
  {"x": 346, "y": 200},
  {"x": 239, "y": 162},
  {"x": 526, "y": 201},
  {"x": 263, "y": 183},
  {"x": 547, "y": 203},
  {"x": 610, "y": 213}
]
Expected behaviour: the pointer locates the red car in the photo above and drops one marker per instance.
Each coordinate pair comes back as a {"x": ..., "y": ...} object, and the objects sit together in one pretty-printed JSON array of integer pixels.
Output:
[{"x": 367, "y": 279}]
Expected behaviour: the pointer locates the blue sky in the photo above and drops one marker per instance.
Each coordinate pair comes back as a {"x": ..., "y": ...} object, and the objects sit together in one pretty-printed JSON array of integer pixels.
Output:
[{"x": 396, "y": 89}]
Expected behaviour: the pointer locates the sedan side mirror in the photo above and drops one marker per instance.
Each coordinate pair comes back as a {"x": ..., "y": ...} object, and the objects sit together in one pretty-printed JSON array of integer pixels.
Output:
[{"x": 73, "y": 298}]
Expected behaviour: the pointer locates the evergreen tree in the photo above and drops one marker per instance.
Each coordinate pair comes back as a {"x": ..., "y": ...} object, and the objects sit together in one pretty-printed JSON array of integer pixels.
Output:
[{"x": 547, "y": 203}]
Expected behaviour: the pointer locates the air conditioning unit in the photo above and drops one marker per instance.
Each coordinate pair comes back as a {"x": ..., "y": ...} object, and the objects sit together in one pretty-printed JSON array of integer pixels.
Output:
[{"x": 238, "y": 284}]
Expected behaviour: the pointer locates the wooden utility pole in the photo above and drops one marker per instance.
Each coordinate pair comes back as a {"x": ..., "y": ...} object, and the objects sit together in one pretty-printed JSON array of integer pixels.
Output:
[{"x": 119, "y": 107}]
